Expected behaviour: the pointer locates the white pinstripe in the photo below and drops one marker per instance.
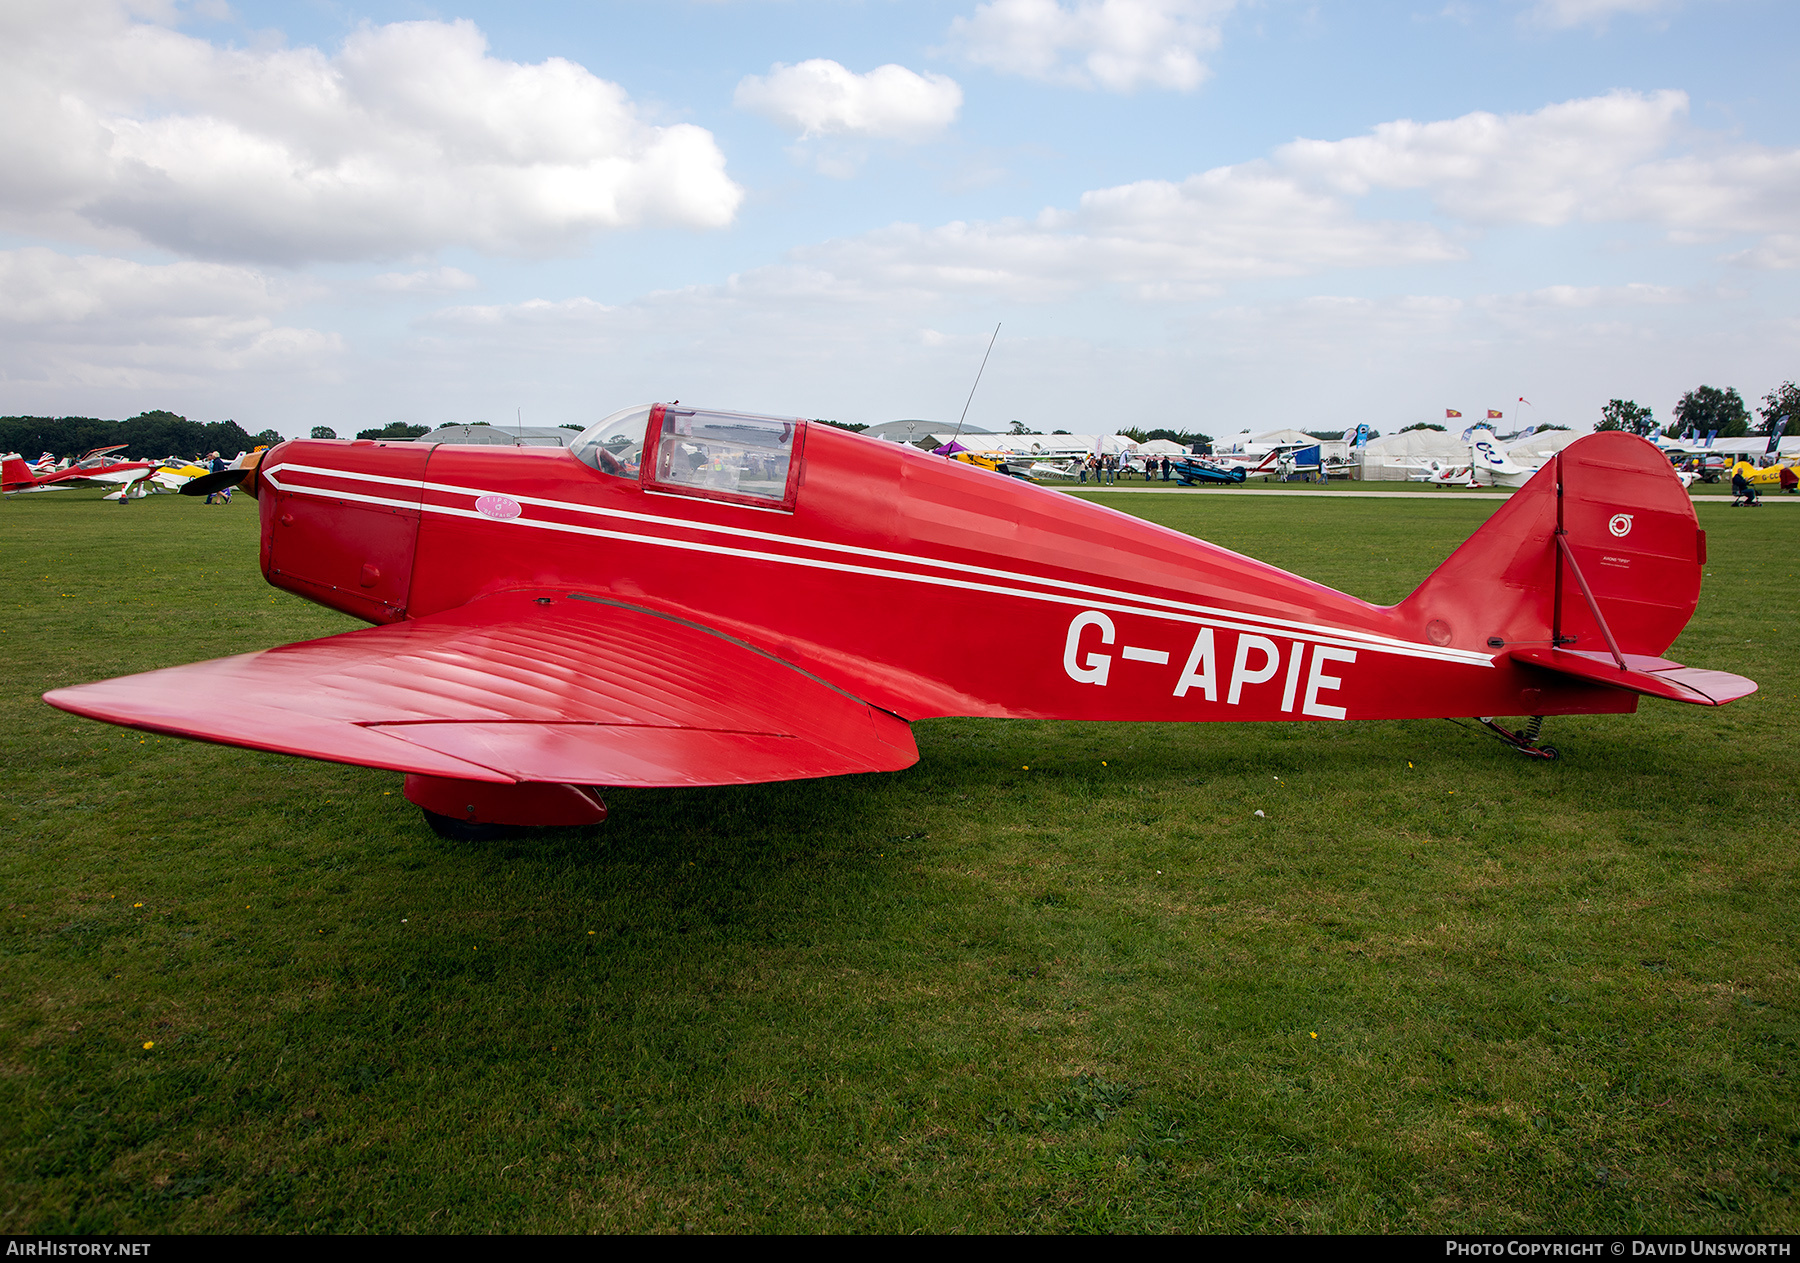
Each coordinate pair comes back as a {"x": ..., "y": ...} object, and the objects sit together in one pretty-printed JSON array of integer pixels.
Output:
[{"x": 1079, "y": 595}]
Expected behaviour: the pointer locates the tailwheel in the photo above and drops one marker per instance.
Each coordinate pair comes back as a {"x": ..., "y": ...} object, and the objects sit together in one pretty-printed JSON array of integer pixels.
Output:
[{"x": 1525, "y": 741}]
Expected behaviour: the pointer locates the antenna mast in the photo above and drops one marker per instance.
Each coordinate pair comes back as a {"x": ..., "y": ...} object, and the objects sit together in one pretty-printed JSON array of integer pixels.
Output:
[{"x": 978, "y": 373}]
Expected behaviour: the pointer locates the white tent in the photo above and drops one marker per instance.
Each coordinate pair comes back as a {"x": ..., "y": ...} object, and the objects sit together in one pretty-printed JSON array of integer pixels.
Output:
[
  {"x": 1245, "y": 443},
  {"x": 1284, "y": 438},
  {"x": 1754, "y": 445},
  {"x": 501, "y": 435},
  {"x": 1043, "y": 446},
  {"x": 1160, "y": 448},
  {"x": 1418, "y": 443},
  {"x": 908, "y": 431},
  {"x": 1248, "y": 446},
  {"x": 1394, "y": 457},
  {"x": 1535, "y": 449}
]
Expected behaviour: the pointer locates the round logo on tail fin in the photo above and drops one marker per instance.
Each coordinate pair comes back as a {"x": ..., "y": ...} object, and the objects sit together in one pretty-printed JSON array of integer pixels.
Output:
[{"x": 1620, "y": 524}]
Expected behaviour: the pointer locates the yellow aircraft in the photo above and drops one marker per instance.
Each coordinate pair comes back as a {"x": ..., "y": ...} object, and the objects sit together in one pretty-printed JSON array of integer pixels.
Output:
[
  {"x": 991, "y": 460},
  {"x": 174, "y": 473},
  {"x": 1767, "y": 476}
]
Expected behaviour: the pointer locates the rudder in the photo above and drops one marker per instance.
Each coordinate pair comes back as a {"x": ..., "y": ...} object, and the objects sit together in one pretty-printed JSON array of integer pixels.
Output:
[
  {"x": 15, "y": 474},
  {"x": 1628, "y": 536}
]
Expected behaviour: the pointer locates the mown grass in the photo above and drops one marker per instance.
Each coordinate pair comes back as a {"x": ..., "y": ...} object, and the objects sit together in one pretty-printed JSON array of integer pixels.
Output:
[{"x": 1435, "y": 988}]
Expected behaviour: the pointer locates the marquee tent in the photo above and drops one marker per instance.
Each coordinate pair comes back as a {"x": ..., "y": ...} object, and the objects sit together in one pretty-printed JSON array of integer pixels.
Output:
[
  {"x": 1535, "y": 449},
  {"x": 1044, "y": 446},
  {"x": 1395, "y": 457},
  {"x": 1160, "y": 448}
]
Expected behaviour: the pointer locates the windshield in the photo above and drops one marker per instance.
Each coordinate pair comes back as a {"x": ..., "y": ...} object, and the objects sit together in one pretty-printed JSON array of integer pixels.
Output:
[
  {"x": 719, "y": 455},
  {"x": 616, "y": 445},
  {"x": 725, "y": 455}
]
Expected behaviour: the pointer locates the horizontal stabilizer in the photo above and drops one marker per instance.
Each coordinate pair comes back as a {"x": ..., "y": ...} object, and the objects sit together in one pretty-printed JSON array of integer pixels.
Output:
[{"x": 1653, "y": 677}]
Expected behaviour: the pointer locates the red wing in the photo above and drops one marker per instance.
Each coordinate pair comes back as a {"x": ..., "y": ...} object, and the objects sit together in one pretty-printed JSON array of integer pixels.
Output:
[{"x": 576, "y": 690}]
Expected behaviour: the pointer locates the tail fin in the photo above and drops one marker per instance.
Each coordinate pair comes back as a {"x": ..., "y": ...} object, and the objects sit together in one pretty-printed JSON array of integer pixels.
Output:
[
  {"x": 1485, "y": 453},
  {"x": 15, "y": 474},
  {"x": 1596, "y": 560}
]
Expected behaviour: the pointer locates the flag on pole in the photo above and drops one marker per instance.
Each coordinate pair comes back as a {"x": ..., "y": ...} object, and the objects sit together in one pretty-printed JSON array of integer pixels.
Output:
[
  {"x": 1451, "y": 412},
  {"x": 1525, "y": 401},
  {"x": 1494, "y": 415}
]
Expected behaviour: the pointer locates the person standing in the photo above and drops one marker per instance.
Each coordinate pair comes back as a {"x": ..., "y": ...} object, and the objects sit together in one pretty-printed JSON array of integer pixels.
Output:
[{"x": 214, "y": 464}]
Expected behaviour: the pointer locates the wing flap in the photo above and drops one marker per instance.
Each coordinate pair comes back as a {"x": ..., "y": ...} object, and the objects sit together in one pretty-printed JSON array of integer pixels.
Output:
[{"x": 522, "y": 687}]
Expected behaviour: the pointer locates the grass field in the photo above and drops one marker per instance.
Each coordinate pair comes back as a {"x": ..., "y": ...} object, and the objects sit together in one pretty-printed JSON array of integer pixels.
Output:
[{"x": 1435, "y": 988}]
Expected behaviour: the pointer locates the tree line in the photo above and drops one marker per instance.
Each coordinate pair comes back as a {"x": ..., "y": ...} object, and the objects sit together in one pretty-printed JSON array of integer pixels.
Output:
[
  {"x": 147, "y": 436},
  {"x": 1708, "y": 409},
  {"x": 1187, "y": 438}
]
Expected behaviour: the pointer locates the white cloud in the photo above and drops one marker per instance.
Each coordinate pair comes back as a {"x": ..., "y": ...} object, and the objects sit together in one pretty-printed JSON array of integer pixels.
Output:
[
  {"x": 539, "y": 313},
  {"x": 1604, "y": 159},
  {"x": 1749, "y": 189},
  {"x": 1636, "y": 294},
  {"x": 88, "y": 320},
  {"x": 822, "y": 98},
  {"x": 438, "y": 280},
  {"x": 1777, "y": 252},
  {"x": 1117, "y": 45},
  {"x": 1346, "y": 358},
  {"x": 1596, "y": 13},
  {"x": 1563, "y": 161},
  {"x": 845, "y": 327},
  {"x": 1600, "y": 159},
  {"x": 1156, "y": 238},
  {"x": 43, "y": 287},
  {"x": 408, "y": 139}
]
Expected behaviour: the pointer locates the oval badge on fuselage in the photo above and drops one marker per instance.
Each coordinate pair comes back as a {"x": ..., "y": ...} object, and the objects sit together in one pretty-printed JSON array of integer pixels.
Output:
[{"x": 498, "y": 507}]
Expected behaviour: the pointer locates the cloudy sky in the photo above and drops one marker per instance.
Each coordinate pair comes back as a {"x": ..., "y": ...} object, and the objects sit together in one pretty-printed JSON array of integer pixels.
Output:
[{"x": 1210, "y": 214}]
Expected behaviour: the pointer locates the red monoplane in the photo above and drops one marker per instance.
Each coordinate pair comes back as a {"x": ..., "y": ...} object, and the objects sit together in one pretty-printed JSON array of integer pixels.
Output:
[
  {"x": 17, "y": 476},
  {"x": 688, "y": 597}
]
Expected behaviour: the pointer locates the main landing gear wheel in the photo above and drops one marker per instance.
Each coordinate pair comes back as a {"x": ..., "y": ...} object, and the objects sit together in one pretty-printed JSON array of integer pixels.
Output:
[
  {"x": 466, "y": 830},
  {"x": 481, "y": 811}
]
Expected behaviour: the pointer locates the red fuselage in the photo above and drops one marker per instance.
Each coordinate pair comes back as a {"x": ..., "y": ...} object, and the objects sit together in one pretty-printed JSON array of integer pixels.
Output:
[{"x": 927, "y": 587}]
